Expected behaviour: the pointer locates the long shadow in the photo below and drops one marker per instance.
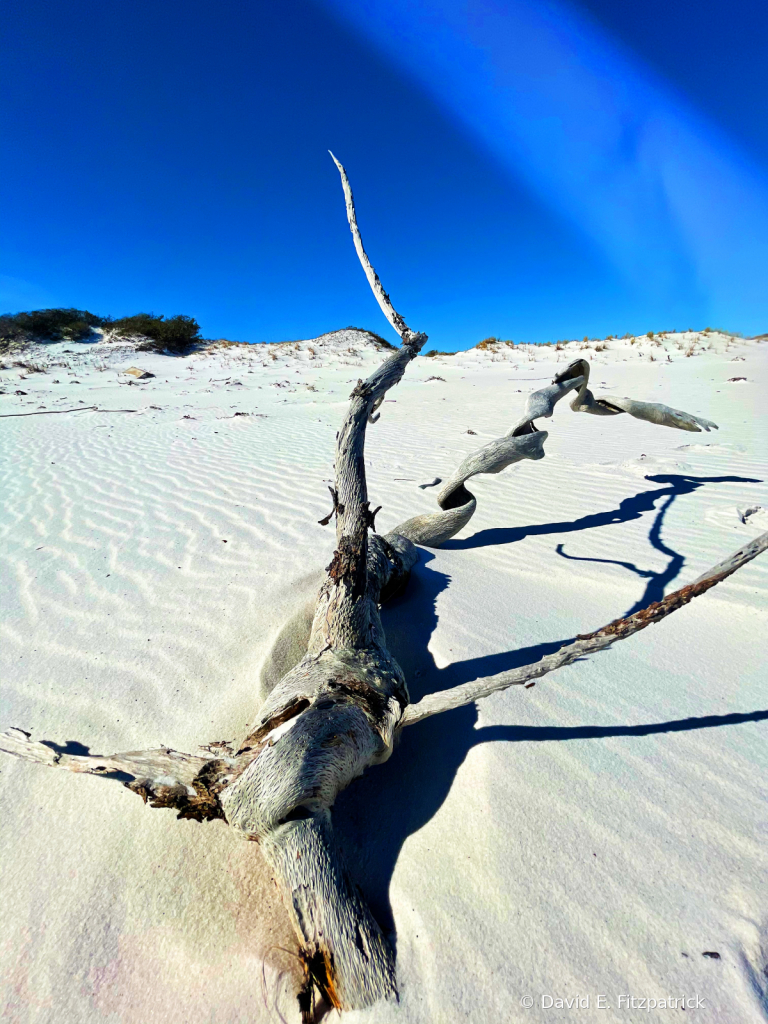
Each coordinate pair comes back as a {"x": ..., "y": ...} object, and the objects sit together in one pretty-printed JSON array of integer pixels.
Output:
[
  {"x": 376, "y": 815},
  {"x": 629, "y": 509},
  {"x": 657, "y": 581},
  {"x": 545, "y": 734}
]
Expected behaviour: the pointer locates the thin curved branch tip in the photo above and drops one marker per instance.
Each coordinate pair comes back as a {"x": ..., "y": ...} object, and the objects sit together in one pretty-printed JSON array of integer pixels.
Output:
[{"x": 408, "y": 336}]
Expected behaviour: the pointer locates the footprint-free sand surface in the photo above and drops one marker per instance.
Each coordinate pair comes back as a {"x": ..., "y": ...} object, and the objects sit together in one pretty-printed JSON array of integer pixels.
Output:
[{"x": 593, "y": 836}]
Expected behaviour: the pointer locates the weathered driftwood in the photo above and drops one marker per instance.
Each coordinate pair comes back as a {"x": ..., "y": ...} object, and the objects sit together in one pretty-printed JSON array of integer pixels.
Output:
[
  {"x": 337, "y": 709},
  {"x": 525, "y": 441}
]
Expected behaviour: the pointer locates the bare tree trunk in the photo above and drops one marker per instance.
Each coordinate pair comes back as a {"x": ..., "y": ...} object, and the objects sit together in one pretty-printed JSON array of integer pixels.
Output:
[
  {"x": 334, "y": 715},
  {"x": 338, "y": 710}
]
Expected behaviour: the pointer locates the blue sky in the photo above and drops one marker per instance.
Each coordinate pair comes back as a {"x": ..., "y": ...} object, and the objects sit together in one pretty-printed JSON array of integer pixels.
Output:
[{"x": 530, "y": 169}]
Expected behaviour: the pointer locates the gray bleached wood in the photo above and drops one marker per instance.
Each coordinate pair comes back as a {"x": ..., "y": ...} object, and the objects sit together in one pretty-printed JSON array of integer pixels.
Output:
[
  {"x": 653, "y": 412},
  {"x": 164, "y": 777},
  {"x": 162, "y": 762},
  {"x": 337, "y": 709},
  {"x": 458, "y": 504},
  {"x": 525, "y": 441},
  {"x": 325, "y": 722},
  {"x": 377, "y": 288}
]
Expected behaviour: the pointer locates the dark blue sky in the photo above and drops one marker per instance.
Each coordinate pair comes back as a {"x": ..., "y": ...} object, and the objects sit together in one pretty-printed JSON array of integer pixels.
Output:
[{"x": 533, "y": 170}]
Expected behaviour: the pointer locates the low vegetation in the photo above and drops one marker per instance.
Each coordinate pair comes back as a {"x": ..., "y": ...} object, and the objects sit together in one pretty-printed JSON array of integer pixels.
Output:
[
  {"x": 173, "y": 334},
  {"x": 495, "y": 344},
  {"x": 492, "y": 343},
  {"x": 16, "y": 329},
  {"x": 381, "y": 342},
  {"x": 178, "y": 334}
]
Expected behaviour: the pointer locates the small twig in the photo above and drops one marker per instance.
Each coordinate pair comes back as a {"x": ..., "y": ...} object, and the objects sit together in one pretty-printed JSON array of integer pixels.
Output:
[
  {"x": 54, "y": 412},
  {"x": 337, "y": 508}
]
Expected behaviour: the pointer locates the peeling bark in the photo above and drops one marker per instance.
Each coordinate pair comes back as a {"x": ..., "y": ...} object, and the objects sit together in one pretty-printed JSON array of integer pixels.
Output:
[{"x": 337, "y": 711}]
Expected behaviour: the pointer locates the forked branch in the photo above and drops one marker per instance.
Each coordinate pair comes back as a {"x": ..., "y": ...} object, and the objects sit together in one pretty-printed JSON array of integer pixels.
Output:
[{"x": 336, "y": 711}]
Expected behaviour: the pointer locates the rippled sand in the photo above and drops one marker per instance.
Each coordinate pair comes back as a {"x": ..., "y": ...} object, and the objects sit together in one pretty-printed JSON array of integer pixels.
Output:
[{"x": 593, "y": 835}]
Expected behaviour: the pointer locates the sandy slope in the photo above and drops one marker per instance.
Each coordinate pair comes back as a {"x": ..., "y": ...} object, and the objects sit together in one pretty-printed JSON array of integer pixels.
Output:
[{"x": 591, "y": 836}]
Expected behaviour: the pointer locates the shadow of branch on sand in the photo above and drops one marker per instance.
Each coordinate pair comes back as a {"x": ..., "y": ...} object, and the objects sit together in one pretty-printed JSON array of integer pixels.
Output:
[
  {"x": 631, "y": 508},
  {"x": 376, "y": 815},
  {"x": 657, "y": 581}
]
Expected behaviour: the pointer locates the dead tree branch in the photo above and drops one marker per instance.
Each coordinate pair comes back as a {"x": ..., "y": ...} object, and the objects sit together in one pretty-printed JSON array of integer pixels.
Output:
[
  {"x": 526, "y": 441},
  {"x": 377, "y": 288},
  {"x": 165, "y": 778},
  {"x": 589, "y": 643},
  {"x": 337, "y": 711},
  {"x": 653, "y": 412}
]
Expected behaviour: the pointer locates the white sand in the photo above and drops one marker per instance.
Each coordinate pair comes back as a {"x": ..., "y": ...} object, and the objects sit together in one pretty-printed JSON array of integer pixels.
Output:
[{"x": 593, "y": 835}]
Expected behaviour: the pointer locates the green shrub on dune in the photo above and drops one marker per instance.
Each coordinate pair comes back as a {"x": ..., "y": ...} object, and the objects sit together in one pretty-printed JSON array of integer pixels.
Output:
[
  {"x": 47, "y": 325},
  {"x": 172, "y": 334}
]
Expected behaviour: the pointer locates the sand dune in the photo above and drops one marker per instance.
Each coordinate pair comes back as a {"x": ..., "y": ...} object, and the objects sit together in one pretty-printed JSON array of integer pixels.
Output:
[{"x": 594, "y": 835}]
